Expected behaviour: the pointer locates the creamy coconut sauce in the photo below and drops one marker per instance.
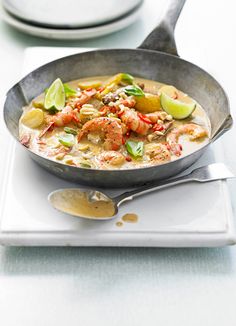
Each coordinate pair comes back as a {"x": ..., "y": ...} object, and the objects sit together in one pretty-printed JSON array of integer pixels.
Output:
[
  {"x": 87, "y": 151},
  {"x": 119, "y": 224},
  {"x": 127, "y": 218},
  {"x": 77, "y": 203},
  {"x": 130, "y": 218}
]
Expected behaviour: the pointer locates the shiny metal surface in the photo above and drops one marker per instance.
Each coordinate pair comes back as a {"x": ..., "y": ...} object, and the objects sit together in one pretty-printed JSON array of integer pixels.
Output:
[
  {"x": 211, "y": 172},
  {"x": 59, "y": 199},
  {"x": 155, "y": 65}
]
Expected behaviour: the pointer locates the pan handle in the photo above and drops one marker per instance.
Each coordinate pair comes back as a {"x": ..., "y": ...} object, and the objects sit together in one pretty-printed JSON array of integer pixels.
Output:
[
  {"x": 162, "y": 37},
  {"x": 226, "y": 125}
]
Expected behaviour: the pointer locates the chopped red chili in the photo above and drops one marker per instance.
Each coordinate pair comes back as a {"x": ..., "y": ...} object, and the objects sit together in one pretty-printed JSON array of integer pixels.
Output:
[
  {"x": 103, "y": 110},
  {"x": 158, "y": 127},
  {"x": 144, "y": 118},
  {"x": 168, "y": 146},
  {"x": 120, "y": 113},
  {"x": 101, "y": 89},
  {"x": 128, "y": 133},
  {"x": 128, "y": 159},
  {"x": 78, "y": 105}
]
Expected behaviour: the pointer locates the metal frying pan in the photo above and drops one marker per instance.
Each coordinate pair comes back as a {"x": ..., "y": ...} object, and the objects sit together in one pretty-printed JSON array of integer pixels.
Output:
[{"x": 155, "y": 59}]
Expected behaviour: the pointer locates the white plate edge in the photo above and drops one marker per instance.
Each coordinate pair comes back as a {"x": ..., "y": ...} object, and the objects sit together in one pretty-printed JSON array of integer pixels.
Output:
[{"x": 73, "y": 34}]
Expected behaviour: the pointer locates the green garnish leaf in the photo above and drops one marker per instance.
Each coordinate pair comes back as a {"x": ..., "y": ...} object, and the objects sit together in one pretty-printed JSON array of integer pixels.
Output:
[
  {"x": 134, "y": 90},
  {"x": 53, "y": 110},
  {"x": 85, "y": 165},
  {"x": 67, "y": 140},
  {"x": 55, "y": 96},
  {"x": 68, "y": 90},
  {"x": 70, "y": 131},
  {"x": 135, "y": 148},
  {"x": 127, "y": 78}
]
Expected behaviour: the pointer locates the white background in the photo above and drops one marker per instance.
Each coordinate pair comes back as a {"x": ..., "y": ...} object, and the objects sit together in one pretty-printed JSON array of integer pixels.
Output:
[{"x": 96, "y": 286}]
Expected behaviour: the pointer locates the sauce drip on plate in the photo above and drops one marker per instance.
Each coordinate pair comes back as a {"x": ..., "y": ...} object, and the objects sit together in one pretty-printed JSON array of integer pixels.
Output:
[{"x": 130, "y": 218}]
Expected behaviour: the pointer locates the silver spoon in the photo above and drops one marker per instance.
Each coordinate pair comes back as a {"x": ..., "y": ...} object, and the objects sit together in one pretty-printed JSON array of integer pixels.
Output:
[{"x": 93, "y": 204}]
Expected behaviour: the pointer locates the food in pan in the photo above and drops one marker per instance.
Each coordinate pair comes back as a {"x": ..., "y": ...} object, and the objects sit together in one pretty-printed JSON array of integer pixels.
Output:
[{"x": 117, "y": 122}]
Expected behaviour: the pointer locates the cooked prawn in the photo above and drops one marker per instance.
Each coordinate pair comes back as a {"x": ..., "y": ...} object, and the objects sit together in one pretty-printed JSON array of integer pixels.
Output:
[
  {"x": 131, "y": 119},
  {"x": 195, "y": 131},
  {"x": 64, "y": 117},
  {"x": 25, "y": 140},
  {"x": 157, "y": 153},
  {"x": 109, "y": 126},
  {"x": 111, "y": 157},
  {"x": 60, "y": 150},
  {"x": 128, "y": 102},
  {"x": 158, "y": 115},
  {"x": 49, "y": 127},
  {"x": 84, "y": 97}
]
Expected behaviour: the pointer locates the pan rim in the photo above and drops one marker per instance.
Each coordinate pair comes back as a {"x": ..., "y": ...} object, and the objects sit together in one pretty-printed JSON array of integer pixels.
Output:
[
  {"x": 121, "y": 49},
  {"x": 109, "y": 50}
]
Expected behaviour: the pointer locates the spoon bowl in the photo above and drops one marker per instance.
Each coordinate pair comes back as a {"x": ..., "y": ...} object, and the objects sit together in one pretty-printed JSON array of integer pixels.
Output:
[
  {"x": 88, "y": 204},
  {"x": 95, "y": 205}
]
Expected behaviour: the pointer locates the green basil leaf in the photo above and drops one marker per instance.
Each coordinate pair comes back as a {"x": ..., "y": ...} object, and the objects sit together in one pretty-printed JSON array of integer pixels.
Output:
[
  {"x": 53, "y": 110},
  {"x": 134, "y": 90},
  {"x": 70, "y": 131},
  {"x": 85, "y": 165},
  {"x": 127, "y": 78},
  {"x": 68, "y": 90},
  {"x": 67, "y": 140},
  {"x": 135, "y": 148}
]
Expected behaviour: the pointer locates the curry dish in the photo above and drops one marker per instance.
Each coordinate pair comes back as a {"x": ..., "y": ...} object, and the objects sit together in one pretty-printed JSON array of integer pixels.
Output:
[{"x": 117, "y": 122}]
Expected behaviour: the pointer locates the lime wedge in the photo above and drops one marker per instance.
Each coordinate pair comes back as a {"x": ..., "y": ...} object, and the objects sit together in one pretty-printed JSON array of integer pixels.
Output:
[
  {"x": 178, "y": 110},
  {"x": 55, "y": 96},
  {"x": 170, "y": 90},
  {"x": 67, "y": 140}
]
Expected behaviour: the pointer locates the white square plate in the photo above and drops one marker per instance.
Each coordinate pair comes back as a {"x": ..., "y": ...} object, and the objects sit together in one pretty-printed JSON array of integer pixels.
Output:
[{"x": 182, "y": 216}]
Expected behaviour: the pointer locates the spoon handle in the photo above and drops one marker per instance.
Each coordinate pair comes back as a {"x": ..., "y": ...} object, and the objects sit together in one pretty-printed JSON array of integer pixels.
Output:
[
  {"x": 211, "y": 172},
  {"x": 129, "y": 195}
]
